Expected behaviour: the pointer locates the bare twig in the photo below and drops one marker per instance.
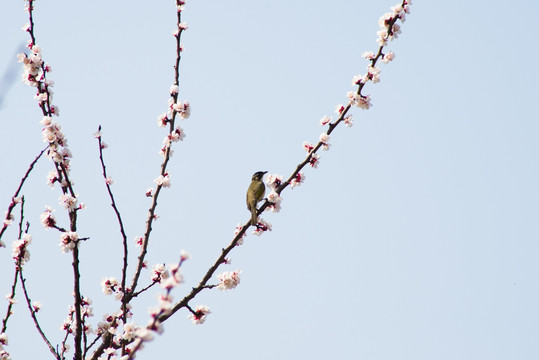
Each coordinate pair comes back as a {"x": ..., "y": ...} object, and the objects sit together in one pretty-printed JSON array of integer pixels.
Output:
[
  {"x": 13, "y": 203},
  {"x": 120, "y": 222}
]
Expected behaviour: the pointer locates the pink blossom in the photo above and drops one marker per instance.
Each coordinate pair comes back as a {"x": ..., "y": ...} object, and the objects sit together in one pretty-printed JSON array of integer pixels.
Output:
[
  {"x": 325, "y": 120},
  {"x": 274, "y": 180},
  {"x": 307, "y": 146},
  {"x": 261, "y": 227},
  {"x": 200, "y": 315},
  {"x": 163, "y": 180},
  {"x": 68, "y": 241},
  {"x": 228, "y": 280},
  {"x": 47, "y": 219},
  {"x": 297, "y": 180},
  {"x": 314, "y": 160},
  {"x": 67, "y": 201}
]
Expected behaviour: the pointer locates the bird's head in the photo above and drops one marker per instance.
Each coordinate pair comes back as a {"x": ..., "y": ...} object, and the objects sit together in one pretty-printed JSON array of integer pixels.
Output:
[{"x": 258, "y": 175}]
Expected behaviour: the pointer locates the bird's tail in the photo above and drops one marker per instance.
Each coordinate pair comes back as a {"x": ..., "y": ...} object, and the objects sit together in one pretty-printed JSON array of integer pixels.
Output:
[{"x": 254, "y": 216}]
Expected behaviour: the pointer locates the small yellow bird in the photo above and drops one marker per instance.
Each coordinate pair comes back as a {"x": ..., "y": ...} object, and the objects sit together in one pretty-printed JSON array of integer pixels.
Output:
[{"x": 255, "y": 193}]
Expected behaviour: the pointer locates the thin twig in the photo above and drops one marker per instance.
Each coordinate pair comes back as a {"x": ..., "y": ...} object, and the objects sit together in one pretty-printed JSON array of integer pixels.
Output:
[
  {"x": 13, "y": 203},
  {"x": 19, "y": 265},
  {"x": 120, "y": 222},
  {"x": 151, "y": 211}
]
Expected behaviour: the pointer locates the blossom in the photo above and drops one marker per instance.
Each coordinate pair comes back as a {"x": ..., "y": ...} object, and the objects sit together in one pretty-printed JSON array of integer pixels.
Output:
[
  {"x": 200, "y": 315},
  {"x": 274, "y": 180},
  {"x": 47, "y": 219},
  {"x": 68, "y": 241},
  {"x": 261, "y": 227},
  {"x": 324, "y": 139},
  {"x": 174, "y": 89},
  {"x": 144, "y": 334},
  {"x": 373, "y": 74},
  {"x": 339, "y": 109},
  {"x": 67, "y": 201},
  {"x": 183, "y": 109},
  {"x": 314, "y": 160},
  {"x": 183, "y": 26},
  {"x": 177, "y": 135},
  {"x": 388, "y": 57},
  {"x": 159, "y": 272},
  {"x": 41, "y": 97},
  {"x": 274, "y": 202},
  {"x": 46, "y": 121},
  {"x": 228, "y": 280},
  {"x": 109, "y": 180},
  {"x": 9, "y": 219},
  {"x": 307, "y": 146},
  {"x": 129, "y": 331},
  {"x": 163, "y": 180},
  {"x": 175, "y": 279},
  {"x": 19, "y": 249},
  {"x": 239, "y": 228},
  {"x": 297, "y": 180},
  {"x": 37, "y": 306},
  {"x": 110, "y": 285},
  {"x": 184, "y": 255},
  {"x": 325, "y": 120},
  {"x": 362, "y": 102},
  {"x": 369, "y": 55},
  {"x": 138, "y": 240},
  {"x": 348, "y": 121},
  {"x": 3, "y": 339},
  {"x": 162, "y": 120},
  {"x": 51, "y": 178}
]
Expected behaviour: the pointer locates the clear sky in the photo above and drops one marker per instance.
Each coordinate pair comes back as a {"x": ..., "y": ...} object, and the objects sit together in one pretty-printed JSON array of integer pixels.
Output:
[{"x": 415, "y": 239}]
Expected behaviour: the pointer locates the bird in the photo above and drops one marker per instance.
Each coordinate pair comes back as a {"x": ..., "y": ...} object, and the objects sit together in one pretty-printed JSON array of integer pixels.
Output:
[{"x": 255, "y": 193}]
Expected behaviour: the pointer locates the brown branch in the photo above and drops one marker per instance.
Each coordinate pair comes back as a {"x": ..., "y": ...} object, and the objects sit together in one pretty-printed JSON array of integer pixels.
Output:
[
  {"x": 34, "y": 317},
  {"x": 120, "y": 222},
  {"x": 171, "y": 122},
  {"x": 202, "y": 285},
  {"x": 18, "y": 266},
  {"x": 66, "y": 185},
  {"x": 13, "y": 203}
]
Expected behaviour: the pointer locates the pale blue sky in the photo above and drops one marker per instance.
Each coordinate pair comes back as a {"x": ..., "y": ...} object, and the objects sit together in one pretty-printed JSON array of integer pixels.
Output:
[{"x": 416, "y": 237}]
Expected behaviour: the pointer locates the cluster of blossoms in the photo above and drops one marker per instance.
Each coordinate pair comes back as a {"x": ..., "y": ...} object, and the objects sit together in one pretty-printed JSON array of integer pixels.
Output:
[
  {"x": 361, "y": 101},
  {"x": 274, "y": 201},
  {"x": 112, "y": 286},
  {"x": 261, "y": 227},
  {"x": 68, "y": 241},
  {"x": 4, "y": 355},
  {"x": 297, "y": 180},
  {"x": 47, "y": 219},
  {"x": 176, "y": 278},
  {"x": 274, "y": 181},
  {"x": 239, "y": 228},
  {"x": 86, "y": 310},
  {"x": 389, "y": 30},
  {"x": 112, "y": 324},
  {"x": 200, "y": 315},
  {"x": 228, "y": 280},
  {"x": 19, "y": 248},
  {"x": 169, "y": 279},
  {"x": 34, "y": 74}
]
